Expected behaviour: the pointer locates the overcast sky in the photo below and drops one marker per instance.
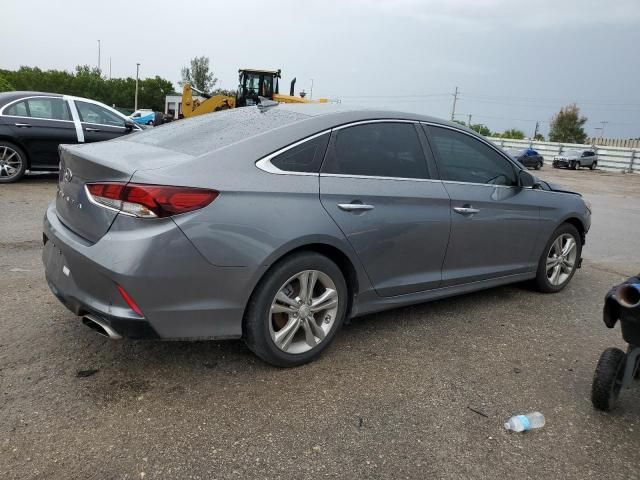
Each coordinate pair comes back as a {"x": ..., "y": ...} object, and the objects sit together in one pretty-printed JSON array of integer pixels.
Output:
[{"x": 514, "y": 62}]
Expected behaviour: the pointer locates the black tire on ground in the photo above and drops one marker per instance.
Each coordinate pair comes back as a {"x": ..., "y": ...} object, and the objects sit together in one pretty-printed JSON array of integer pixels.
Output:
[
  {"x": 542, "y": 281},
  {"x": 23, "y": 159},
  {"x": 257, "y": 315},
  {"x": 573, "y": 165},
  {"x": 538, "y": 165},
  {"x": 593, "y": 165},
  {"x": 607, "y": 380}
]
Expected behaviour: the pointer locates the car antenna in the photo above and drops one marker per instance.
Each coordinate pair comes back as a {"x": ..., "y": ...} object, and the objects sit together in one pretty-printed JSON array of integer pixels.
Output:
[{"x": 265, "y": 103}]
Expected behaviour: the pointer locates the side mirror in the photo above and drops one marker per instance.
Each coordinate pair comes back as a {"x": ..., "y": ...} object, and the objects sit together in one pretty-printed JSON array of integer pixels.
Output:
[
  {"x": 525, "y": 179},
  {"x": 129, "y": 125}
]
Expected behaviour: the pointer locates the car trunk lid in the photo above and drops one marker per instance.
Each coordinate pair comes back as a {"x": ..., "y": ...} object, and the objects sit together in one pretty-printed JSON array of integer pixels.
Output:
[{"x": 113, "y": 161}]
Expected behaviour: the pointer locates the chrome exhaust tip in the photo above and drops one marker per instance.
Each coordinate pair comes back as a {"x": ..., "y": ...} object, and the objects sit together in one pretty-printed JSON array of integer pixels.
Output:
[
  {"x": 101, "y": 327},
  {"x": 629, "y": 295}
]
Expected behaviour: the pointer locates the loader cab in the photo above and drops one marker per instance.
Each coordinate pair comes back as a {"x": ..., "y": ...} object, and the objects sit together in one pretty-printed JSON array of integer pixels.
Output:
[{"x": 254, "y": 84}]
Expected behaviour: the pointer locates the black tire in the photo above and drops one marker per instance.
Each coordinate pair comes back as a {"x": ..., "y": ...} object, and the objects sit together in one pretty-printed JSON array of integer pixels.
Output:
[
  {"x": 256, "y": 328},
  {"x": 23, "y": 165},
  {"x": 573, "y": 165},
  {"x": 538, "y": 166},
  {"x": 593, "y": 165},
  {"x": 607, "y": 380},
  {"x": 542, "y": 281}
]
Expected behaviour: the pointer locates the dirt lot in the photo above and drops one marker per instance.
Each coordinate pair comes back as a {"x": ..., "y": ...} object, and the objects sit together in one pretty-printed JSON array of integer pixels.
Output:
[{"x": 391, "y": 398}]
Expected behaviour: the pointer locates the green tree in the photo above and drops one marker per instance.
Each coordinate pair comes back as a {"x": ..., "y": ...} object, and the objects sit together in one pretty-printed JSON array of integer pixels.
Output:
[
  {"x": 86, "y": 81},
  {"x": 5, "y": 86},
  {"x": 198, "y": 75},
  {"x": 567, "y": 126},
  {"x": 460, "y": 122},
  {"x": 513, "y": 133},
  {"x": 539, "y": 137},
  {"x": 482, "y": 129}
]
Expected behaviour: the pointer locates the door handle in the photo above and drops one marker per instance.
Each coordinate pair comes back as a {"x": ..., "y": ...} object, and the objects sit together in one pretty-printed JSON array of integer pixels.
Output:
[
  {"x": 23, "y": 125},
  {"x": 355, "y": 207},
  {"x": 89, "y": 129},
  {"x": 466, "y": 210}
]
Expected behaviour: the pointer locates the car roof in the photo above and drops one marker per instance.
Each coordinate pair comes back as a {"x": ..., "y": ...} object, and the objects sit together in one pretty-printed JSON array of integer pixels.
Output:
[{"x": 6, "y": 97}]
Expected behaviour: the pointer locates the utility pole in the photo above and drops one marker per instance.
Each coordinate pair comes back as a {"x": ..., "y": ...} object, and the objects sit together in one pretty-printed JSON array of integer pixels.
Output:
[
  {"x": 453, "y": 109},
  {"x": 535, "y": 132},
  {"x": 135, "y": 103},
  {"x": 603, "y": 123},
  {"x": 469, "y": 121},
  {"x": 99, "y": 57},
  {"x": 311, "y": 93},
  {"x": 109, "y": 68}
]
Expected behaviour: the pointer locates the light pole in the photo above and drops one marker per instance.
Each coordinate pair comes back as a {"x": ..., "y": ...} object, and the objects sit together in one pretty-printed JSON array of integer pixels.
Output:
[
  {"x": 135, "y": 103},
  {"x": 99, "y": 56},
  {"x": 311, "y": 93}
]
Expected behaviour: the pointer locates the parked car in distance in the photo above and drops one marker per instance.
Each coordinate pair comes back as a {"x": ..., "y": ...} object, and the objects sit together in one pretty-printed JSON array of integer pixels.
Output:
[
  {"x": 527, "y": 156},
  {"x": 283, "y": 221},
  {"x": 576, "y": 159},
  {"x": 143, "y": 117},
  {"x": 34, "y": 124}
]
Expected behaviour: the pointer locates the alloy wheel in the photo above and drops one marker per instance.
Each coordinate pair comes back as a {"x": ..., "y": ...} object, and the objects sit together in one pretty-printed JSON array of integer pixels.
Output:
[
  {"x": 303, "y": 312},
  {"x": 561, "y": 259},
  {"x": 10, "y": 162}
]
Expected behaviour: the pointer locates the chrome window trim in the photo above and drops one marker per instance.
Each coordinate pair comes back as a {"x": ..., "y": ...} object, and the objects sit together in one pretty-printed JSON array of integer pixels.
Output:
[
  {"x": 21, "y": 99},
  {"x": 378, "y": 120},
  {"x": 265, "y": 162},
  {"x": 491, "y": 185},
  {"x": 376, "y": 177}
]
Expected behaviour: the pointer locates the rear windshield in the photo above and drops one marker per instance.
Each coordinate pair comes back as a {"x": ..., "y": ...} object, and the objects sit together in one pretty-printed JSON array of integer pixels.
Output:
[{"x": 205, "y": 133}]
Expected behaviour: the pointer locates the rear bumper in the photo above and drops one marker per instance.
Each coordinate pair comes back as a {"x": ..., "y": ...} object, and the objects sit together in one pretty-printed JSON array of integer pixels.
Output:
[{"x": 180, "y": 294}]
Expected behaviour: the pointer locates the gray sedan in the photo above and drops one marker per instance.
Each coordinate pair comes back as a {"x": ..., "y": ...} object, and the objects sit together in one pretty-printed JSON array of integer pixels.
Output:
[{"x": 275, "y": 224}]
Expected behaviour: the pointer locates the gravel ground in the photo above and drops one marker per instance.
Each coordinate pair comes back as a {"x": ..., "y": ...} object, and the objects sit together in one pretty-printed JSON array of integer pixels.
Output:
[{"x": 418, "y": 392}]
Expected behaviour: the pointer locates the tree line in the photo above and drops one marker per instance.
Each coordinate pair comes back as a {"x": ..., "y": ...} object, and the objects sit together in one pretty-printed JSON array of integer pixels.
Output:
[
  {"x": 566, "y": 126},
  {"x": 88, "y": 82}
]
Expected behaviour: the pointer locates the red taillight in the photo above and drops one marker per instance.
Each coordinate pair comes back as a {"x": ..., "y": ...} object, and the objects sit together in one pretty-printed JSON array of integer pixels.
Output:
[
  {"x": 150, "y": 201},
  {"x": 129, "y": 300}
]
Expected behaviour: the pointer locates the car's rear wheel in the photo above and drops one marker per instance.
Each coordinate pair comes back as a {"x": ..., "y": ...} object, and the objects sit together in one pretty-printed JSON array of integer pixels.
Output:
[
  {"x": 13, "y": 162},
  {"x": 296, "y": 310},
  {"x": 559, "y": 260}
]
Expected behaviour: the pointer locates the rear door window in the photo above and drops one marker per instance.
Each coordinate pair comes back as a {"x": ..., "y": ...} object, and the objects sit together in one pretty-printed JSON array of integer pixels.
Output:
[
  {"x": 381, "y": 149},
  {"x": 49, "y": 108},
  {"x": 306, "y": 157}
]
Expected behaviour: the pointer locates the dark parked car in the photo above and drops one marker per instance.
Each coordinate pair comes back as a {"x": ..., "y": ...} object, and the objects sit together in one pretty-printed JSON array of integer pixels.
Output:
[
  {"x": 527, "y": 157},
  {"x": 34, "y": 124},
  {"x": 574, "y": 159},
  {"x": 275, "y": 224}
]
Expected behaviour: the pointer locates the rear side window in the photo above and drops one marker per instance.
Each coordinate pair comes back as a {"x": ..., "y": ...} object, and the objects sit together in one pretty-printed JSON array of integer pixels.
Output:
[
  {"x": 462, "y": 158},
  {"x": 377, "y": 149},
  {"x": 306, "y": 157},
  {"x": 18, "y": 109}
]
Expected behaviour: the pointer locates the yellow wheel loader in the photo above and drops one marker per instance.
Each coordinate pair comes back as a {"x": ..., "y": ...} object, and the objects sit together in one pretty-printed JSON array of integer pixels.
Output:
[{"x": 253, "y": 85}]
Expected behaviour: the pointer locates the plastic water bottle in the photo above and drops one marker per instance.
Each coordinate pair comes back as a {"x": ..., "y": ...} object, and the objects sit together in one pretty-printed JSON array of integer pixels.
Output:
[{"x": 524, "y": 423}]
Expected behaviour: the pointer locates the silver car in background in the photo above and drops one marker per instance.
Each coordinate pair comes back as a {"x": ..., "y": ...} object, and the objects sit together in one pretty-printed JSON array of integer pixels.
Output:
[
  {"x": 574, "y": 159},
  {"x": 275, "y": 224}
]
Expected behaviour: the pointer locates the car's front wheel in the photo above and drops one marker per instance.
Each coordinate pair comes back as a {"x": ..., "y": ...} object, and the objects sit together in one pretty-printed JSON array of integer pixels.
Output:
[
  {"x": 559, "y": 260},
  {"x": 13, "y": 162},
  {"x": 593, "y": 165},
  {"x": 296, "y": 310},
  {"x": 538, "y": 165}
]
